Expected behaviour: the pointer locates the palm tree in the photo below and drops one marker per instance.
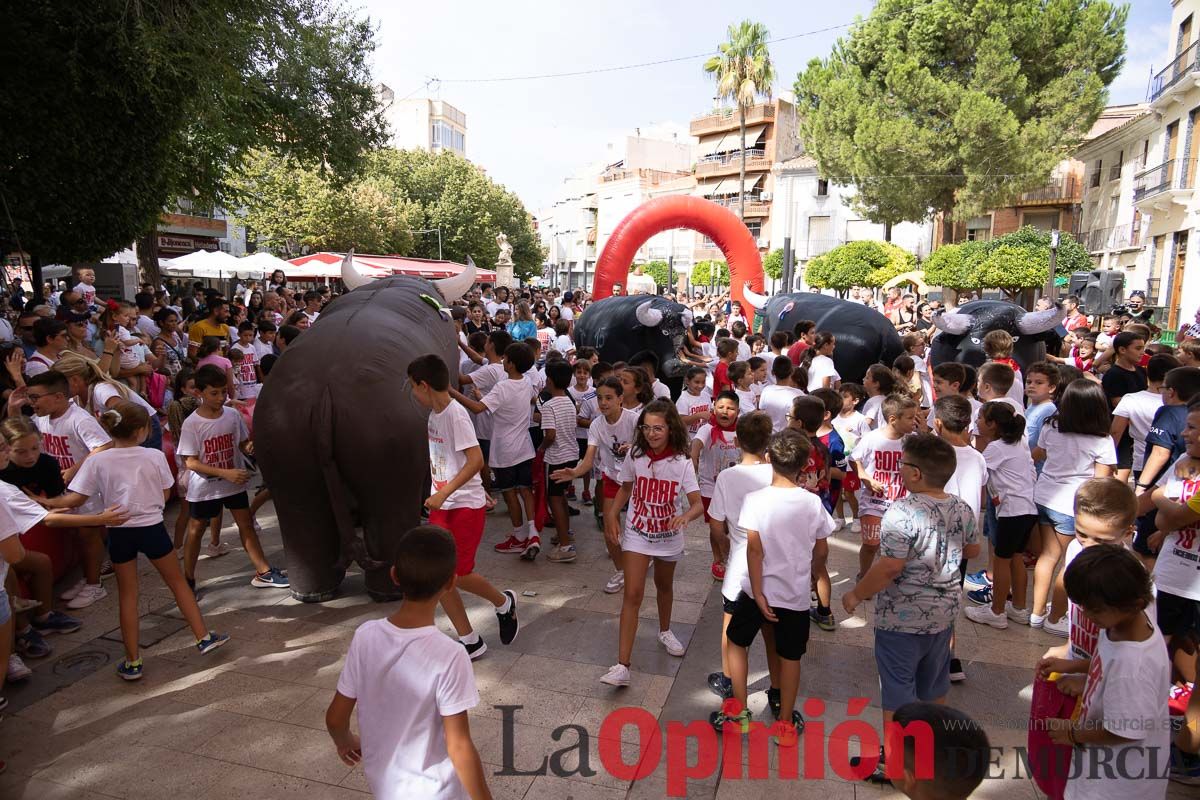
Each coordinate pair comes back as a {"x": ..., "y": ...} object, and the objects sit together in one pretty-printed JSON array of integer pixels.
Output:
[{"x": 743, "y": 71}]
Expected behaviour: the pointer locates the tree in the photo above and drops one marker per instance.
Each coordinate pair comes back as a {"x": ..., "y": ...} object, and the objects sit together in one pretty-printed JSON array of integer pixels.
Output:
[
  {"x": 1020, "y": 260},
  {"x": 703, "y": 271},
  {"x": 958, "y": 105},
  {"x": 743, "y": 71},
  {"x": 773, "y": 264},
  {"x": 659, "y": 270},
  {"x": 128, "y": 106},
  {"x": 866, "y": 263}
]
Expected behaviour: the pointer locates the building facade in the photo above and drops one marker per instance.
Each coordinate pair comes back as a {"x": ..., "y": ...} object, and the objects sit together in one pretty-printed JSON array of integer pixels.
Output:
[
  {"x": 187, "y": 228},
  {"x": 423, "y": 124},
  {"x": 1056, "y": 205}
]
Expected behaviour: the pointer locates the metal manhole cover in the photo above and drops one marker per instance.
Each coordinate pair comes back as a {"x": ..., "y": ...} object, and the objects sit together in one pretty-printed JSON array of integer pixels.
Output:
[{"x": 79, "y": 663}]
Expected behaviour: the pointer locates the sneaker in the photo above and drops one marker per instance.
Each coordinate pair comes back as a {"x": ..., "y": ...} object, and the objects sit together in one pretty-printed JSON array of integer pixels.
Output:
[
  {"x": 273, "y": 578},
  {"x": 978, "y": 580},
  {"x": 586, "y": 499},
  {"x": 57, "y": 622},
  {"x": 31, "y": 644},
  {"x": 17, "y": 671},
  {"x": 1060, "y": 628},
  {"x": 570, "y": 493},
  {"x": 773, "y": 702},
  {"x": 957, "y": 674},
  {"x": 981, "y": 597},
  {"x": 106, "y": 569},
  {"x": 838, "y": 524},
  {"x": 509, "y": 626},
  {"x": 572, "y": 511},
  {"x": 533, "y": 546},
  {"x": 786, "y": 735},
  {"x": 719, "y": 719},
  {"x": 476, "y": 649},
  {"x": 20, "y": 605},
  {"x": 825, "y": 622},
  {"x": 87, "y": 595},
  {"x": 211, "y": 642},
  {"x": 720, "y": 685},
  {"x": 562, "y": 554},
  {"x": 69, "y": 594},
  {"x": 879, "y": 775},
  {"x": 616, "y": 583},
  {"x": 856, "y": 527},
  {"x": 985, "y": 616},
  {"x": 617, "y": 675},
  {"x": 718, "y": 571},
  {"x": 673, "y": 645},
  {"x": 511, "y": 545},
  {"x": 216, "y": 550},
  {"x": 130, "y": 670},
  {"x": 1017, "y": 615}
]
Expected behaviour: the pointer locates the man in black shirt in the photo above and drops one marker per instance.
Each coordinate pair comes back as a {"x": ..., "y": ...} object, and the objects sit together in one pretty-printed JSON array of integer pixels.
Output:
[{"x": 1126, "y": 374}]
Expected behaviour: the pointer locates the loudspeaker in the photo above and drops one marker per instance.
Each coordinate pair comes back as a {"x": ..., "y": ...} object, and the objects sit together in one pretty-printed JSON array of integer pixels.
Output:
[
  {"x": 1103, "y": 291},
  {"x": 1079, "y": 282}
]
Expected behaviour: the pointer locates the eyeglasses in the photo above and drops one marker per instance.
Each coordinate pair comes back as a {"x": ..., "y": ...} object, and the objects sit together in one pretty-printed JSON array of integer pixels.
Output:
[
  {"x": 35, "y": 397},
  {"x": 654, "y": 429},
  {"x": 909, "y": 464}
]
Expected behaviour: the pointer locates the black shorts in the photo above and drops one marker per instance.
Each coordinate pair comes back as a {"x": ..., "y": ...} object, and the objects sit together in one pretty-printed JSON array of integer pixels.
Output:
[
  {"x": 485, "y": 445},
  {"x": 518, "y": 476},
  {"x": 1012, "y": 534},
  {"x": 536, "y": 436},
  {"x": 582, "y": 448},
  {"x": 207, "y": 509},
  {"x": 555, "y": 488},
  {"x": 1142, "y": 532},
  {"x": 728, "y": 605},
  {"x": 1178, "y": 616},
  {"x": 124, "y": 544},
  {"x": 1125, "y": 452},
  {"x": 791, "y": 632}
]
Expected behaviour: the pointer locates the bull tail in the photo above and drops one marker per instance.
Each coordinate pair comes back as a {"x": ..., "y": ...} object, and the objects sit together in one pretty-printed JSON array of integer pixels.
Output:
[{"x": 352, "y": 547}]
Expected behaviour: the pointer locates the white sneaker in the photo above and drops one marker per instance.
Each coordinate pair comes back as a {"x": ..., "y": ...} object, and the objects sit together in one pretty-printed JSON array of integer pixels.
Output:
[
  {"x": 856, "y": 527},
  {"x": 838, "y": 524},
  {"x": 985, "y": 616},
  {"x": 1060, "y": 628},
  {"x": 673, "y": 645},
  {"x": 616, "y": 583},
  {"x": 17, "y": 671},
  {"x": 1018, "y": 615},
  {"x": 88, "y": 595},
  {"x": 1036, "y": 620},
  {"x": 617, "y": 675},
  {"x": 69, "y": 594},
  {"x": 217, "y": 550}
]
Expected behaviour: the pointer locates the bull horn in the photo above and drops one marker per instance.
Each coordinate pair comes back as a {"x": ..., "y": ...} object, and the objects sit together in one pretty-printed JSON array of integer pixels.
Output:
[
  {"x": 951, "y": 322},
  {"x": 1040, "y": 321},
  {"x": 649, "y": 317},
  {"x": 453, "y": 288},
  {"x": 351, "y": 276},
  {"x": 759, "y": 301}
]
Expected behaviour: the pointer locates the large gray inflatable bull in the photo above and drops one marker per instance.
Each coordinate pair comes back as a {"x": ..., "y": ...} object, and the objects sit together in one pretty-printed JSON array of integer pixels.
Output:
[
  {"x": 341, "y": 442},
  {"x": 864, "y": 336},
  {"x": 618, "y": 327},
  {"x": 962, "y": 331}
]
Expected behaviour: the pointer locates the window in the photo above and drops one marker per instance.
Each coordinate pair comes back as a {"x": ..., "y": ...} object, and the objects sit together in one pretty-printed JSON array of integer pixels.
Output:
[
  {"x": 822, "y": 187},
  {"x": 755, "y": 229},
  {"x": 1095, "y": 181},
  {"x": 442, "y": 135},
  {"x": 1114, "y": 172},
  {"x": 979, "y": 229}
]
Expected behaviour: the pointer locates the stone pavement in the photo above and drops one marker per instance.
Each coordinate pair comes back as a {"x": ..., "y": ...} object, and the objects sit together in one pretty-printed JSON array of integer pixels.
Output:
[{"x": 248, "y": 720}]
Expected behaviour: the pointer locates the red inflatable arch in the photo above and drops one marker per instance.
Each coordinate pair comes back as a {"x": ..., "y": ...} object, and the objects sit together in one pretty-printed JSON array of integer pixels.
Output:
[{"x": 678, "y": 211}]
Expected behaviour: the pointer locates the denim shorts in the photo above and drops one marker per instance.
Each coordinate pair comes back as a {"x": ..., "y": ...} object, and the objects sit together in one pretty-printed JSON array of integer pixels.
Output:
[
  {"x": 5, "y": 608},
  {"x": 912, "y": 666},
  {"x": 1064, "y": 524}
]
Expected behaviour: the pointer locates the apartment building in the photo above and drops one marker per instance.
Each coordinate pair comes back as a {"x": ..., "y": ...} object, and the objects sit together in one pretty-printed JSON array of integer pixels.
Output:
[{"x": 423, "y": 124}]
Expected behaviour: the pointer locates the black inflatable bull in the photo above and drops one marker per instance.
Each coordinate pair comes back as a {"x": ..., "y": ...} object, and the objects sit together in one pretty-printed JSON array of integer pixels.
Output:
[
  {"x": 618, "y": 327},
  {"x": 339, "y": 437},
  {"x": 864, "y": 336},
  {"x": 962, "y": 331}
]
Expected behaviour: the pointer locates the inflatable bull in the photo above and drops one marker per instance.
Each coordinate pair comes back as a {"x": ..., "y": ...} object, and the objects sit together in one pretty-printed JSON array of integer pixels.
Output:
[
  {"x": 618, "y": 327},
  {"x": 962, "y": 331},
  {"x": 864, "y": 336},
  {"x": 341, "y": 442}
]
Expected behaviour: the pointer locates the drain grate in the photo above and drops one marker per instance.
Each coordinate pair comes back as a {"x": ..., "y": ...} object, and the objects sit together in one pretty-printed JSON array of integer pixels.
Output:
[{"x": 79, "y": 664}]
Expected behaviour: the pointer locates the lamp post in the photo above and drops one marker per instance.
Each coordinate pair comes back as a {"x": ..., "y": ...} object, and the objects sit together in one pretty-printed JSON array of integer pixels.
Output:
[
  {"x": 1051, "y": 289},
  {"x": 438, "y": 231}
]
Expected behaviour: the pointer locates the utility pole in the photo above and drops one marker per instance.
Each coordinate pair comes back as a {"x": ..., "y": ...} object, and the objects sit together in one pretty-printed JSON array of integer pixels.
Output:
[
  {"x": 438, "y": 231},
  {"x": 1051, "y": 288}
]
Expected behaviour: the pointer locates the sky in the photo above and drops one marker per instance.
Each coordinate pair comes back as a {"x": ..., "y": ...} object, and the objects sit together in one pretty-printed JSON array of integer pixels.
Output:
[{"x": 530, "y": 135}]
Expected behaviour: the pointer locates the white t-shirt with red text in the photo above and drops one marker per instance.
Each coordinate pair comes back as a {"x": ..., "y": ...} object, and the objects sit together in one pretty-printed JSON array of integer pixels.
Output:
[
  {"x": 715, "y": 456},
  {"x": 660, "y": 490},
  {"x": 690, "y": 404},
  {"x": 87, "y": 291},
  {"x": 608, "y": 439},
  {"x": 1082, "y": 633},
  {"x": 69, "y": 438},
  {"x": 450, "y": 436},
  {"x": 1177, "y": 569},
  {"x": 245, "y": 373},
  {"x": 217, "y": 443},
  {"x": 880, "y": 456}
]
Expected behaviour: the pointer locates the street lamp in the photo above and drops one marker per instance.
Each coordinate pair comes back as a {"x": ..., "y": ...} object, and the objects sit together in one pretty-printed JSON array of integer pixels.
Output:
[
  {"x": 1051, "y": 290},
  {"x": 438, "y": 231}
]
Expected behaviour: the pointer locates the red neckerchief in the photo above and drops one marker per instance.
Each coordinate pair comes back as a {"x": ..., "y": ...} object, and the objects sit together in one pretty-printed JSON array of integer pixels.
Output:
[
  {"x": 1009, "y": 363},
  {"x": 702, "y": 339},
  {"x": 717, "y": 434},
  {"x": 665, "y": 454},
  {"x": 1081, "y": 364}
]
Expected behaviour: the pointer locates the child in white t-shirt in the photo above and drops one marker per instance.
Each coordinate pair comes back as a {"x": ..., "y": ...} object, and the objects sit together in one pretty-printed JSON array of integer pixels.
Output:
[
  {"x": 584, "y": 394},
  {"x": 758, "y": 378},
  {"x": 412, "y": 686},
  {"x": 559, "y": 417},
  {"x": 656, "y": 479},
  {"x": 714, "y": 449},
  {"x": 776, "y": 398},
  {"x": 818, "y": 360},
  {"x": 876, "y": 459},
  {"x": 787, "y": 529},
  {"x": 732, "y": 488},
  {"x": 695, "y": 402},
  {"x": 246, "y": 376},
  {"x": 915, "y": 346},
  {"x": 562, "y": 339},
  {"x": 1135, "y": 412},
  {"x": 742, "y": 379},
  {"x": 879, "y": 382},
  {"x": 138, "y": 480},
  {"x": 850, "y": 424}
]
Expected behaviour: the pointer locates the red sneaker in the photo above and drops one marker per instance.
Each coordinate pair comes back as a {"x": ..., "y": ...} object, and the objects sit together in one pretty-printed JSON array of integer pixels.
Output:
[
  {"x": 511, "y": 545},
  {"x": 718, "y": 571},
  {"x": 1029, "y": 559},
  {"x": 531, "y": 547},
  {"x": 587, "y": 498}
]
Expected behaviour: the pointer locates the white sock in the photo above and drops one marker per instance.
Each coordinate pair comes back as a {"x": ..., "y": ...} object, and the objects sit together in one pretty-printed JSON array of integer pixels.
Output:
[
  {"x": 532, "y": 529},
  {"x": 470, "y": 638},
  {"x": 507, "y": 607},
  {"x": 520, "y": 532}
]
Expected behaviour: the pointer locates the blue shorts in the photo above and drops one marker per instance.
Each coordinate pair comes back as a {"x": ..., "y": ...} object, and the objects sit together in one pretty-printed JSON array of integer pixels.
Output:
[
  {"x": 124, "y": 544},
  {"x": 912, "y": 666},
  {"x": 1063, "y": 523},
  {"x": 5, "y": 608}
]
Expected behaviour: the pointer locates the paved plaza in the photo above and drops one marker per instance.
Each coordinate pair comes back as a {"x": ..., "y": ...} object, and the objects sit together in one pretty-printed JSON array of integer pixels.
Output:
[{"x": 248, "y": 720}]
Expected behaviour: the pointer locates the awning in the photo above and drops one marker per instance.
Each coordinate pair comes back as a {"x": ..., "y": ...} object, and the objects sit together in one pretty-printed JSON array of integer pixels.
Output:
[
  {"x": 212, "y": 264},
  {"x": 747, "y": 185},
  {"x": 707, "y": 148},
  {"x": 751, "y": 137},
  {"x": 329, "y": 265},
  {"x": 708, "y": 189}
]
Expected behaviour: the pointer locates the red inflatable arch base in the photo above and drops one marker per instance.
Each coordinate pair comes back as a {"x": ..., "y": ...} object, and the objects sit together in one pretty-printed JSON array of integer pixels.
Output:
[{"x": 664, "y": 213}]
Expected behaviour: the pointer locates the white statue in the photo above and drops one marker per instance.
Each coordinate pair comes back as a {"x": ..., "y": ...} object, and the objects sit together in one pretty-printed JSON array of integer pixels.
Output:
[{"x": 505, "y": 257}]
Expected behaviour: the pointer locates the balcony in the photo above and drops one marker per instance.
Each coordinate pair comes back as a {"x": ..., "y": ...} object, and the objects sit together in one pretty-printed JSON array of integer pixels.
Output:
[
  {"x": 1063, "y": 191},
  {"x": 756, "y": 204},
  {"x": 1179, "y": 76},
  {"x": 1118, "y": 237},
  {"x": 731, "y": 163},
  {"x": 727, "y": 119},
  {"x": 1162, "y": 185}
]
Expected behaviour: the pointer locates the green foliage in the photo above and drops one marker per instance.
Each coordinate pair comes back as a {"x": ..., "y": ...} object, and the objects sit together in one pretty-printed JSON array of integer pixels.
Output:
[
  {"x": 773, "y": 264},
  {"x": 655, "y": 269},
  {"x": 866, "y": 263},
  {"x": 702, "y": 273},
  {"x": 939, "y": 105},
  {"x": 742, "y": 67},
  {"x": 1020, "y": 260},
  {"x": 398, "y": 192},
  {"x": 127, "y": 106}
]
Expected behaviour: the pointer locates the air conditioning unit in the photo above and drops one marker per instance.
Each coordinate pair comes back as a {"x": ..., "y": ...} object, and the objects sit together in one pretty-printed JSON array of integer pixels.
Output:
[
  {"x": 766, "y": 197},
  {"x": 763, "y": 242}
]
